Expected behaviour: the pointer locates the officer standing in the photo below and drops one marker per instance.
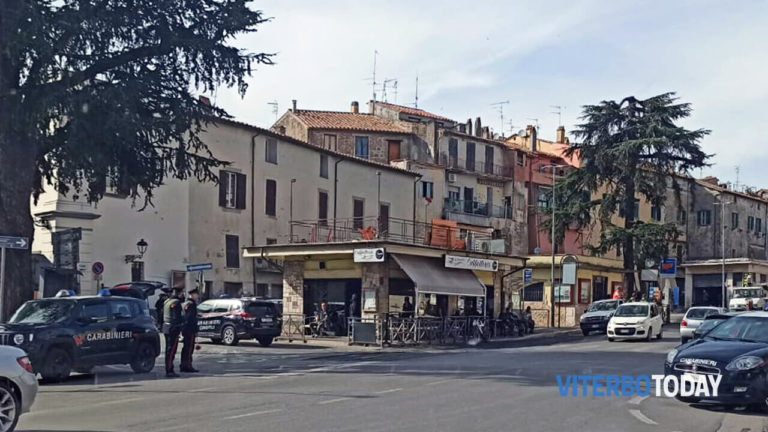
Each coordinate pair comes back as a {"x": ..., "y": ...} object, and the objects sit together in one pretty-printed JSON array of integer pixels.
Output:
[
  {"x": 189, "y": 331},
  {"x": 172, "y": 324}
]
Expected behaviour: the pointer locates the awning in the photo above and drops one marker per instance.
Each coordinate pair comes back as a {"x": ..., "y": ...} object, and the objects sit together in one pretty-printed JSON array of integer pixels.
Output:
[{"x": 430, "y": 276}]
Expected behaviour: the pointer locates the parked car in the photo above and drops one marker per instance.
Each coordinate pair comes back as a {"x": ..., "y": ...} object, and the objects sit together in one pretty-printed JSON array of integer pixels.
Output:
[
  {"x": 77, "y": 333},
  {"x": 741, "y": 296},
  {"x": 18, "y": 386},
  {"x": 597, "y": 316},
  {"x": 145, "y": 290},
  {"x": 229, "y": 320},
  {"x": 636, "y": 320},
  {"x": 710, "y": 322},
  {"x": 693, "y": 318},
  {"x": 735, "y": 350}
]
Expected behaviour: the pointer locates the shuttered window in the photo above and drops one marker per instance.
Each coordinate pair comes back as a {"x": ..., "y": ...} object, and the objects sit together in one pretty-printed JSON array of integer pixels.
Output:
[
  {"x": 322, "y": 208},
  {"x": 231, "y": 190},
  {"x": 357, "y": 212},
  {"x": 270, "y": 206},
  {"x": 232, "y": 251}
]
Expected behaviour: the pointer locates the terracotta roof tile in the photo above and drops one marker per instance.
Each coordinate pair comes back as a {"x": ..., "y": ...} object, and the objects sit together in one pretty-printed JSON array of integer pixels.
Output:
[
  {"x": 347, "y": 121},
  {"x": 414, "y": 111}
]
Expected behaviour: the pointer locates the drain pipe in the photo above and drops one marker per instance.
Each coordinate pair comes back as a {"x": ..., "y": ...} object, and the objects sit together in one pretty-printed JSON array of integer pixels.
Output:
[
  {"x": 415, "y": 182},
  {"x": 335, "y": 192},
  {"x": 253, "y": 209}
]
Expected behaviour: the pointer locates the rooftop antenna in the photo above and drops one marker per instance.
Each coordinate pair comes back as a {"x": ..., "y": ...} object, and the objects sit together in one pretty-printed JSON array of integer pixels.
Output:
[
  {"x": 738, "y": 170},
  {"x": 274, "y": 108},
  {"x": 536, "y": 122},
  {"x": 373, "y": 85},
  {"x": 500, "y": 107},
  {"x": 416, "y": 102},
  {"x": 384, "y": 88},
  {"x": 511, "y": 127},
  {"x": 559, "y": 113}
]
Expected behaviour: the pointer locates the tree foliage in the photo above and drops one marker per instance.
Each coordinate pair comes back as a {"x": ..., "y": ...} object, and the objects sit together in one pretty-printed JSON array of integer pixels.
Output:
[{"x": 628, "y": 150}]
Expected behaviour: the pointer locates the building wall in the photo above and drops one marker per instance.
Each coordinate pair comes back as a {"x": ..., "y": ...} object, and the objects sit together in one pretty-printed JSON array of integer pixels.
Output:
[
  {"x": 294, "y": 128},
  {"x": 480, "y": 145},
  {"x": 378, "y": 145}
]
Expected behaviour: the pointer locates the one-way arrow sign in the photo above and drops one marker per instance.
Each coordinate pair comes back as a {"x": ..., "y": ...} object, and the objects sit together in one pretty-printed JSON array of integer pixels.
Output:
[{"x": 14, "y": 242}]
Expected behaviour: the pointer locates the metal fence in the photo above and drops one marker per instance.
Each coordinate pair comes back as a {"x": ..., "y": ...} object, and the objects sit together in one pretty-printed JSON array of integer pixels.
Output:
[
  {"x": 294, "y": 327},
  {"x": 477, "y": 208},
  {"x": 474, "y": 166}
]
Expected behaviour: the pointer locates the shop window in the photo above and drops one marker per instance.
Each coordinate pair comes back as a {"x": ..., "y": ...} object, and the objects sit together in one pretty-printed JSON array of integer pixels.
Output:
[
  {"x": 585, "y": 287},
  {"x": 534, "y": 293}
]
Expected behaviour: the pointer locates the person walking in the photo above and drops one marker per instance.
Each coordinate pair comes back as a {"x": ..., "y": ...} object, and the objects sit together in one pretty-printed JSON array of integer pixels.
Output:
[
  {"x": 172, "y": 324},
  {"x": 189, "y": 331}
]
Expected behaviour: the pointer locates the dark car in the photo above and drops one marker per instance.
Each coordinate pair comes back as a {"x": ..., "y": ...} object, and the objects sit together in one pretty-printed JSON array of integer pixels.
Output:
[
  {"x": 144, "y": 290},
  {"x": 77, "y": 333},
  {"x": 737, "y": 350},
  {"x": 710, "y": 322},
  {"x": 229, "y": 320}
]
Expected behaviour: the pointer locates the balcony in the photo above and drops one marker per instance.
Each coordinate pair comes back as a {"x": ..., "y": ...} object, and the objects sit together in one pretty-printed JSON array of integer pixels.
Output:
[
  {"x": 476, "y": 167},
  {"x": 474, "y": 212}
]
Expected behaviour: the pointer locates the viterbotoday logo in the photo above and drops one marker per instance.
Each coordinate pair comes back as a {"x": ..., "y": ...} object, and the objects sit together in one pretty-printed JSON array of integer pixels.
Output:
[{"x": 687, "y": 385}]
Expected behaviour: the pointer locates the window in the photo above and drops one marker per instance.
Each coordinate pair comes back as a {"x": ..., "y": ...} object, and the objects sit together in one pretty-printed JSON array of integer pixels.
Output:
[
  {"x": 322, "y": 208},
  {"x": 682, "y": 216},
  {"x": 270, "y": 151},
  {"x": 544, "y": 195},
  {"x": 585, "y": 286},
  {"x": 95, "y": 311},
  {"x": 329, "y": 141},
  {"x": 679, "y": 253},
  {"x": 520, "y": 158},
  {"x": 758, "y": 225},
  {"x": 357, "y": 212},
  {"x": 232, "y": 251},
  {"x": 453, "y": 152},
  {"x": 271, "y": 241},
  {"x": 488, "y": 160},
  {"x": 270, "y": 206},
  {"x": 261, "y": 290},
  {"x": 123, "y": 309},
  {"x": 534, "y": 293},
  {"x": 361, "y": 147},
  {"x": 470, "y": 156},
  {"x": 734, "y": 220},
  {"x": 750, "y": 223},
  {"x": 656, "y": 213},
  {"x": 704, "y": 217},
  {"x": 324, "y": 166},
  {"x": 231, "y": 190},
  {"x": 427, "y": 189},
  {"x": 637, "y": 209}
]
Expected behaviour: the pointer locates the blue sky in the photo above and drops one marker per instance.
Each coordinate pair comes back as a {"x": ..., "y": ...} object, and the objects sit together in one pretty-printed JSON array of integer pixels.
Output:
[{"x": 469, "y": 55}]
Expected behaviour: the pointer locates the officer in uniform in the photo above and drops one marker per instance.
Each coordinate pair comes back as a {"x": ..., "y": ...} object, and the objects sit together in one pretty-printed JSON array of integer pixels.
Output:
[
  {"x": 172, "y": 324},
  {"x": 189, "y": 330}
]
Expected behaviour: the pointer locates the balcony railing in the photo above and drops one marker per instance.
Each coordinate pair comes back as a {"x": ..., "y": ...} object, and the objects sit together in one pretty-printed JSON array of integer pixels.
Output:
[
  {"x": 477, "y": 208},
  {"x": 395, "y": 230},
  {"x": 481, "y": 167}
]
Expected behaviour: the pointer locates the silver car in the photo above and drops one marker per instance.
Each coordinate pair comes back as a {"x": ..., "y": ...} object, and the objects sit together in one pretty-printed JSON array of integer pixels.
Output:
[
  {"x": 18, "y": 387},
  {"x": 693, "y": 319}
]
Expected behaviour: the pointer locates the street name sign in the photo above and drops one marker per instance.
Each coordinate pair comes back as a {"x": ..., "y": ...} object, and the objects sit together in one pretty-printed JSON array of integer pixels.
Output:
[
  {"x": 14, "y": 242},
  {"x": 199, "y": 267}
]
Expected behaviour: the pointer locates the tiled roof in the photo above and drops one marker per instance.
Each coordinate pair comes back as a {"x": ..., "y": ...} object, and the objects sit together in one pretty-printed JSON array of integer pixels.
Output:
[
  {"x": 414, "y": 111},
  {"x": 346, "y": 121}
]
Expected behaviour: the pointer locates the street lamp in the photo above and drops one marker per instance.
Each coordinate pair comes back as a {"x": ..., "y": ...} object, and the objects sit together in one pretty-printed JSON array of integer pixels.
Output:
[
  {"x": 722, "y": 205},
  {"x": 552, "y": 167},
  {"x": 141, "y": 246}
]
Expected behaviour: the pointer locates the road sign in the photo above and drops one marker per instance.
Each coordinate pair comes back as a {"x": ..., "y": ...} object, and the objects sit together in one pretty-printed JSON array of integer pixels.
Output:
[
  {"x": 199, "y": 267},
  {"x": 14, "y": 242},
  {"x": 97, "y": 268},
  {"x": 668, "y": 268},
  {"x": 527, "y": 275}
]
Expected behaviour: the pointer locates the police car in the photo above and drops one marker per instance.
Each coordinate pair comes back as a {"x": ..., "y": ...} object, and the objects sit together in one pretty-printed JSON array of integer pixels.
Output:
[
  {"x": 77, "y": 333},
  {"x": 229, "y": 320},
  {"x": 737, "y": 350}
]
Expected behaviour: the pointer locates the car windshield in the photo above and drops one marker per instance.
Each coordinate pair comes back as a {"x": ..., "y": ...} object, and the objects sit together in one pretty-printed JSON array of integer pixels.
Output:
[
  {"x": 42, "y": 312},
  {"x": 747, "y": 329},
  {"x": 632, "y": 311},
  {"x": 603, "y": 306},
  {"x": 699, "y": 313},
  {"x": 708, "y": 325},
  {"x": 747, "y": 293}
]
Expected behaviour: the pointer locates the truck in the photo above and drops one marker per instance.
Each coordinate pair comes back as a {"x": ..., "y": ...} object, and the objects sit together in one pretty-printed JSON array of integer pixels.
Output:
[{"x": 741, "y": 296}]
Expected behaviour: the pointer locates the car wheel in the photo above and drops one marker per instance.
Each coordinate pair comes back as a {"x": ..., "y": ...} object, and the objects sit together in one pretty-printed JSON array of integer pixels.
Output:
[
  {"x": 57, "y": 367},
  {"x": 265, "y": 341},
  {"x": 144, "y": 360},
  {"x": 229, "y": 336},
  {"x": 10, "y": 408},
  {"x": 585, "y": 332},
  {"x": 610, "y": 339}
]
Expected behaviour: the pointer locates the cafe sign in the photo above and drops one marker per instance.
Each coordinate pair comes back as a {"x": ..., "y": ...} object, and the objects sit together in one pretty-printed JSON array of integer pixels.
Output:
[
  {"x": 469, "y": 263},
  {"x": 369, "y": 255}
]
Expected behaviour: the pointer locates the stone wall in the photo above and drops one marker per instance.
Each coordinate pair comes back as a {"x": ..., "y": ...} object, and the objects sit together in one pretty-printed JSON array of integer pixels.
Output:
[
  {"x": 376, "y": 277},
  {"x": 293, "y": 287}
]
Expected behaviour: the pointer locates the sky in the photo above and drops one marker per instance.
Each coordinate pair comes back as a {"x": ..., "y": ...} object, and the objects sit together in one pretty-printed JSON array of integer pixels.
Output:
[{"x": 535, "y": 54}]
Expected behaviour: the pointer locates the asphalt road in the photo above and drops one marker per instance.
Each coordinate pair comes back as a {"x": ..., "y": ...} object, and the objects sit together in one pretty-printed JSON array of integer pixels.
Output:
[{"x": 297, "y": 387}]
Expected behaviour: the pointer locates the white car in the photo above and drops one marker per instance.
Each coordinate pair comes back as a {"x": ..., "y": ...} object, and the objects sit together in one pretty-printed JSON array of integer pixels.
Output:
[
  {"x": 693, "y": 318},
  {"x": 740, "y": 297},
  {"x": 636, "y": 320},
  {"x": 18, "y": 386}
]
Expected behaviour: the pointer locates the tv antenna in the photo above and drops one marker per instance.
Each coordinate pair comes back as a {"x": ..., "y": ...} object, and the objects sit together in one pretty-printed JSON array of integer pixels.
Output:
[
  {"x": 559, "y": 111},
  {"x": 416, "y": 102},
  {"x": 274, "y": 108},
  {"x": 373, "y": 83},
  {"x": 384, "y": 88},
  {"x": 738, "y": 171},
  {"x": 500, "y": 107},
  {"x": 536, "y": 122}
]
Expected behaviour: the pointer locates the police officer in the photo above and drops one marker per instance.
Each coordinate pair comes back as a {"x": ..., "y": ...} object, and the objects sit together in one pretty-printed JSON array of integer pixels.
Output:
[
  {"x": 189, "y": 330},
  {"x": 172, "y": 324}
]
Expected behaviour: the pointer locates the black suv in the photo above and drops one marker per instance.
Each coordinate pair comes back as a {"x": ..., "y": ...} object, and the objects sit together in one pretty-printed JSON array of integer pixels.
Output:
[
  {"x": 229, "y": 320},
  {"x": 78, "y": 333}
]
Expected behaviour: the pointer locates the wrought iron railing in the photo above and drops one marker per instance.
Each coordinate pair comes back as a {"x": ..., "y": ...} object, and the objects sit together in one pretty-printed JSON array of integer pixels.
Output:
[
  {"x": 474, "y": 166},
  {"x": 477, "y": 208}
]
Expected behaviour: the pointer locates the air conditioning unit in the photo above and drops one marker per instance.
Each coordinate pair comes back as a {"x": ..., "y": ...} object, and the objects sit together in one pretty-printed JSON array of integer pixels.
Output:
[
  {"x": 451, "y": 178},
  {"x": 483, "y": 246}
]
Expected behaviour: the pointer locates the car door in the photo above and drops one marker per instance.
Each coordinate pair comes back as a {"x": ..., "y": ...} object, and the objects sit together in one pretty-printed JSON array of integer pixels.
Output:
[
  {"x": 656, "y": 320},
  {"x": 95, "y": 325},
  {"x": 124, "y": 313}
]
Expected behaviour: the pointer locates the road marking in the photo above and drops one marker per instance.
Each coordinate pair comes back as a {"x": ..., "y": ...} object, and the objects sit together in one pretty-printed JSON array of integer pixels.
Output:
[
  {"x": 388, "y": 391},
  {"x": 96, "y": 404},
  {"x": 203, "y": 389},
  {"x": 330, "y": 401},
  {"x": 640, "y": 416},
  {"x": 637, "y": 400},
  {"x": 438, "y": 382},
  {"x": 252, "y": 414}
]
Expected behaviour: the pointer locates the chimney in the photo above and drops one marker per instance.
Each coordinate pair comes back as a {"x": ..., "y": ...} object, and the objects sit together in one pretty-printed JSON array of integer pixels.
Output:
[
  {"x": 486, "y": 132},
  {"x": 530, "y": 132},
  {"x": 294, "y": 105},
  {"x": 561, "y": 135},
  {"x": 469, "y": 126},
  {"x": 711, "y": 180},
  {"x": 478, "y": 127},
  {"x": 354, "y": 108}
]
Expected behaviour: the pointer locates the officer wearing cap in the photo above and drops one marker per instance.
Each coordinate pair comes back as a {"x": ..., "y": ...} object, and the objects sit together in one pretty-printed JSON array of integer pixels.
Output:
[
  {"x": 172, "y": 325},
  {"x": 189, "y": 330}
]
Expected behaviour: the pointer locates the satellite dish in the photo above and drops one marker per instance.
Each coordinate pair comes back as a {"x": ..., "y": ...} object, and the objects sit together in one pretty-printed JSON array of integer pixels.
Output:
[{"x": 521, "y": 132}]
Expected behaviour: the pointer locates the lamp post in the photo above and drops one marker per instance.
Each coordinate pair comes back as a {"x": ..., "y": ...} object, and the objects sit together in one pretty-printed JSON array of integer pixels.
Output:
[
  {"x": 552, "y": 167},
  {"x": 722, "y": 204},
  {"x": 290, "y": 213},
  {"x": 141, "y": 247}
]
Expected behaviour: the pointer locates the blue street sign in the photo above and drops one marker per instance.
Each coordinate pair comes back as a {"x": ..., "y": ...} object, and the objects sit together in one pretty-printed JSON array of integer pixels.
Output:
[
  {"x": 668, "y": 268},
  {"x": 14, "y": 242},
  {"x": 199, "y": 267},
  {"x": 650, "y": 293},
  {"x": 527, "y": 275}
]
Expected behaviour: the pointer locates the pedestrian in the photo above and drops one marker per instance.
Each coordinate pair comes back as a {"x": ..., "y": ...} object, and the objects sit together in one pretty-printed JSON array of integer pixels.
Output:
[
  {"x": 407, "y": 307},
  {"x": 172, "y": 324},
  {"x": 189, "y": 330},
  {"x": 159, "y": 305},
  {"x": 354, "y": 306}
]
